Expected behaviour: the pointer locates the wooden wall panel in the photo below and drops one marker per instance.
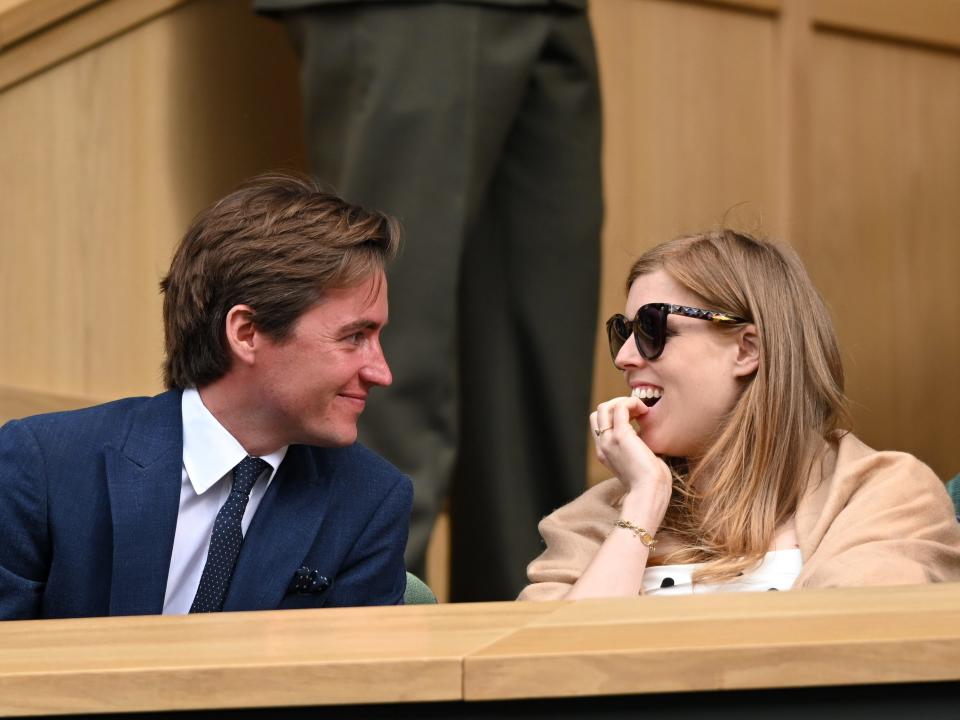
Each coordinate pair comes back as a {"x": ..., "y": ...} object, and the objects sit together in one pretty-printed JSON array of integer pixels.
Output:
[
  {"x": 929, "y": 22},
  {"x": 691, "y": 118},
  {"x": 84, "y": 249},
  {"x": 19, "y": 18},
  {"x": 879, "y": 188},
  {"x": 835, "y": 123},
  {"x": 16, "y": 403},
  {"x": 106, "y": 157}
]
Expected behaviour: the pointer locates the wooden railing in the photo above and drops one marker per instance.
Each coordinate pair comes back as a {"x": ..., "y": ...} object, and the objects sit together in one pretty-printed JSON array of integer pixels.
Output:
[
  {"x": 472, "y": 652},
  {"x": 18, "y": 403}
]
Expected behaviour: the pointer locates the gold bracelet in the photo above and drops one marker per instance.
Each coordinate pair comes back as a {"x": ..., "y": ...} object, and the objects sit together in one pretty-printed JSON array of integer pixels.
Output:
[{"x": 638, "y": 532}]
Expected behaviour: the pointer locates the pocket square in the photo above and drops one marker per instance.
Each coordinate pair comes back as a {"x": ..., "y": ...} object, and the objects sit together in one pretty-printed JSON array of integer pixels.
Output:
[{"x": 306, "y": 581}]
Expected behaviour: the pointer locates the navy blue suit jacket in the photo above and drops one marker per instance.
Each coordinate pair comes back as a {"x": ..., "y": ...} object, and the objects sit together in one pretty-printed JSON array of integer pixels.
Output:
[{"x": 88, "y": 511}]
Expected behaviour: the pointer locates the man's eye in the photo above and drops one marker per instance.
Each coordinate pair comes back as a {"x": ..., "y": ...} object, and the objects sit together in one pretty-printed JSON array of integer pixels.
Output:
[{"x": 357, "y": 338}]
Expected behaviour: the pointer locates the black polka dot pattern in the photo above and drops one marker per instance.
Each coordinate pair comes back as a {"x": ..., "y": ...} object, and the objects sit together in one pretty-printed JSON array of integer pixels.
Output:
[{"x": 226, "y": 538}]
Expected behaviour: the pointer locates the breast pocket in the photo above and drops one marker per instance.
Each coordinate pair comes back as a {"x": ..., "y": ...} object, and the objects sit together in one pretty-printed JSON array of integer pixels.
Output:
[{"x": 308, "y": 588}]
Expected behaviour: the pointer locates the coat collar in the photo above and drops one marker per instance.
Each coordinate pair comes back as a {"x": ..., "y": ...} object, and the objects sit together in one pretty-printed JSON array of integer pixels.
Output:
[{"x": 143, "y": 480}]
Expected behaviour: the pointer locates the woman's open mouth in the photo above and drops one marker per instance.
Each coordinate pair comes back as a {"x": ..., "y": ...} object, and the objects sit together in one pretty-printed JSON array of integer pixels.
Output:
[{"x": 650, "y": 396}]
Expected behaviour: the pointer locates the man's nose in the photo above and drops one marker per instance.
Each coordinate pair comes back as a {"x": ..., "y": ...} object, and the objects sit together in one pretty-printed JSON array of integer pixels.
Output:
[{"x": 377, "y": 371}]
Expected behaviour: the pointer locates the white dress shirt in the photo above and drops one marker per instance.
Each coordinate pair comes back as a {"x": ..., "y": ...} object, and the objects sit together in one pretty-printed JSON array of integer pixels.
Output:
[{"x": 209, "y": 455}]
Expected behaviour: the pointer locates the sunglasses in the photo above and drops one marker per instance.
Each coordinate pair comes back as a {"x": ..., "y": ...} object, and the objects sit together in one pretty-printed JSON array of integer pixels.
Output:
[{"x": 649, "y": 326}]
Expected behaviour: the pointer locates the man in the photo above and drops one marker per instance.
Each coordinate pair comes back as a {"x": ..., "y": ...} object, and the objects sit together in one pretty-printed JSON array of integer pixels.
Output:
[
  {"x": 477, "y": 124},
  {"x": 242, "y": 487}
]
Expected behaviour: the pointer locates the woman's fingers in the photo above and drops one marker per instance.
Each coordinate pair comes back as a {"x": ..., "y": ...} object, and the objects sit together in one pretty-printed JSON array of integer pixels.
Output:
[
  {"x": 620, "y": 448},
  {"x": 612, "y": 419},
  {"x": 594, "y": 425},
  {"x": 608, "y": 417}
]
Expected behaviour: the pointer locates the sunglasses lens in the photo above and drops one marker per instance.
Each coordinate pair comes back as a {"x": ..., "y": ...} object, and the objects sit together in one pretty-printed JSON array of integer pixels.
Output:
[
  {"x": 618, "y": 330},
  {"x": 649, "y": 331}
]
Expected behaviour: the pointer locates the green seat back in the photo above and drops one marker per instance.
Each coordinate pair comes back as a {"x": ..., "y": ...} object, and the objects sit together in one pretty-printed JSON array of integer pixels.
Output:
[
  {"x": 417, "y": 592},
  {"x": 953, "y": 487}
]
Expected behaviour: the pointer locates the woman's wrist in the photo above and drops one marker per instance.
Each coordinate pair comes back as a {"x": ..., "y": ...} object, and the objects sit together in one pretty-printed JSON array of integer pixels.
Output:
[{"x": 644, "y": 507}]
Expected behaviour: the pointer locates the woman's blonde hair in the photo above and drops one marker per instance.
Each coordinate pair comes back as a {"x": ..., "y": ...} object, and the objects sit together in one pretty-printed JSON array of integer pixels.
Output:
[{"x": 728, "y": 504}]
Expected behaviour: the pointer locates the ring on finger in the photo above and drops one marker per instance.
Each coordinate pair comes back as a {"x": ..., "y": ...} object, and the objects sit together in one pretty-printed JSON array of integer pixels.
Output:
[{"x": 600, "y": 431}]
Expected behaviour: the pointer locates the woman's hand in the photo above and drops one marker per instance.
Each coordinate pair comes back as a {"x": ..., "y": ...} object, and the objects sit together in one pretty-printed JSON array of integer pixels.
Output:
[
  {"x": 617, "y": 568},
  {"x": 646, "y": 477}
]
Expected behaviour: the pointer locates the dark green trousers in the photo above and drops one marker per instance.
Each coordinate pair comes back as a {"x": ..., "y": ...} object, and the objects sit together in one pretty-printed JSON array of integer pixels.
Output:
[{"x": 479, "y": 128}]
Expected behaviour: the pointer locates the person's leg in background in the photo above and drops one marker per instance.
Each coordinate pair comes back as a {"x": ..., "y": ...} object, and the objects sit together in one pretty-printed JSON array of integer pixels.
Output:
[
  {"x": 390, "y": 105},
  {"x": 410, "y": 108},
  {"x": 528, "y": 321}
]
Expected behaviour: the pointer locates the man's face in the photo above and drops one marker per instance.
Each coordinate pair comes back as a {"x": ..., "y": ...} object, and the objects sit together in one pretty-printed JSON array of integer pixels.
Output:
[{"x": 314, "y": 383}]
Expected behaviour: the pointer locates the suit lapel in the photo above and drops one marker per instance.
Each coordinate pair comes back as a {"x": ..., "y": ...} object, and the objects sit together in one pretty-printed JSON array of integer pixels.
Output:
[
  {"x": 282, "y": 531},
  {"x": 143, "y": 479}
]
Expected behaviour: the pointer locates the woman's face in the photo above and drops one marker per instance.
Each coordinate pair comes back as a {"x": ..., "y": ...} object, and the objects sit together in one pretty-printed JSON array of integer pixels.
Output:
[{"x": 697, "y": 375}]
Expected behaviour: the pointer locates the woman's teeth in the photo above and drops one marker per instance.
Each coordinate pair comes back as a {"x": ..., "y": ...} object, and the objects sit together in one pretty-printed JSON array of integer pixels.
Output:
[{"x": 648, "y": 395}]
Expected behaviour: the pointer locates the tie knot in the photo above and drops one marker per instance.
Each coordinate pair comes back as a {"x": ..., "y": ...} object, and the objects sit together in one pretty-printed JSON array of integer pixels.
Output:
[{"x": 246, "y": 472}]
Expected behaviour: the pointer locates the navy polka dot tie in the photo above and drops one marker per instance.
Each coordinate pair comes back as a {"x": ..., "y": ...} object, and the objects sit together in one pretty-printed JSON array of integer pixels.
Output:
[{"x": 226, "y": 538}]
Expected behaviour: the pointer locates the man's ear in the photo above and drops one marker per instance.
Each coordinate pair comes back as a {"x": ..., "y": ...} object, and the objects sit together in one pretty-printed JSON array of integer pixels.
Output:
[
  {"x": 241, "y": 333},
  {"x": 748, "y": 351}
]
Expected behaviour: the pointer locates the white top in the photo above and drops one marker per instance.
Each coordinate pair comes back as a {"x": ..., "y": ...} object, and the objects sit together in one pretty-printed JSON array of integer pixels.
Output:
[
  {"x": 209, "y": 455},
  {"x": 778, "y": 571}
]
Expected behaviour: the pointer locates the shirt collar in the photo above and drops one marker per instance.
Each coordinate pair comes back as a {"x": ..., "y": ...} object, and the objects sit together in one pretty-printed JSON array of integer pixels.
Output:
[{"x": 209, "y": 450}]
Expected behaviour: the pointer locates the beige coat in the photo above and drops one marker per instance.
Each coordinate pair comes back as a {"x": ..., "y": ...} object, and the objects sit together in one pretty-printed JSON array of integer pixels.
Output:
[{"x": 874, "y": 518}]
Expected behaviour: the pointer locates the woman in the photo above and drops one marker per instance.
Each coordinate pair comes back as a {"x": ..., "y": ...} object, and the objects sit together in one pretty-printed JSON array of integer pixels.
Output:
[{"x": 733, "y": 467}]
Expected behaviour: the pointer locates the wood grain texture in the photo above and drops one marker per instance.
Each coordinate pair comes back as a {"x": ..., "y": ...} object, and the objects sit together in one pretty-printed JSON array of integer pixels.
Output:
[
  {"x": 691, "y": 139},
  {"x": 842, "y": 143},
  {"x": 795, "y": 40},
  {"x": 230, "y": 660},
  {"x": 77, "y": 33},
  {"x": 109, "y": 155},
  {"x": 928, "y": 22},
  {"x": 750, "y": 640},
  {"x": 19, "y": 18},
  {"x": 762, "y": 6},
  {"x": 17, "y": 403},
  {"x": 481, "y": 651},
  {"x": 880, "y": 233},
  {"x": 438, "y": 557},
  {"x": 718, "y": 607}
]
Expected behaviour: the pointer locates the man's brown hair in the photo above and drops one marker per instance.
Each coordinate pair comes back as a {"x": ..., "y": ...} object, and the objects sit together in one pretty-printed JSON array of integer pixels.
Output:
[{"x": 277, "y": 243}]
